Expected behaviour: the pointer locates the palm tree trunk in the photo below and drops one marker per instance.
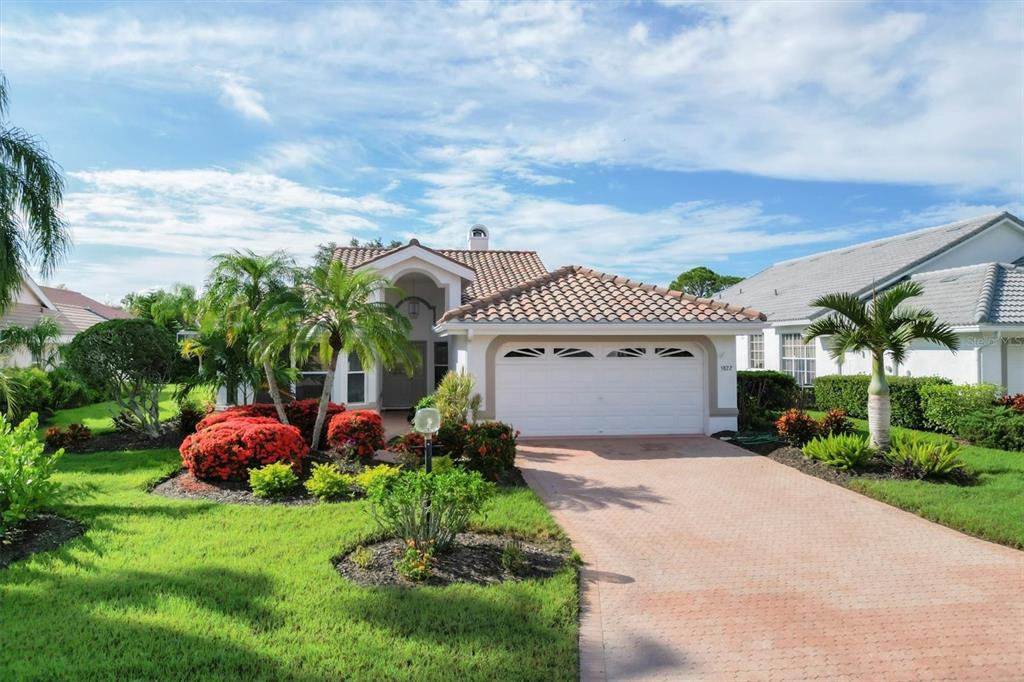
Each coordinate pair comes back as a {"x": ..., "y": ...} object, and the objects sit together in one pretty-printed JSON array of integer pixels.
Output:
[
  {"x": 325, "y": 397},
  {"x": 275, "y": 391},
  {"x": 879, "y": 408}
]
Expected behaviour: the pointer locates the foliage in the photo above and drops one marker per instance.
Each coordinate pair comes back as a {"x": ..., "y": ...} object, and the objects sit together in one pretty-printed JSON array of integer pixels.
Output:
[
  {"x": 302, "y": 415},
  {"x": 362, "y": 556},
  {"x": 416, "y": 563},
  {"x": 945, "y": 406},
  {"x": 325, "y": 252},
  {"x": 796, "y": 427},
  {"x": 512, "y": 556},
  {"x": 328, "y": 483},
  {"x": 408, "y": 448},
  {"x": 40, "y": 339},
  {"x": 31, "y": 189},
  {"x": 455, "y": 399},
  {"x": 835, "y": 423},
  {"x": 1014, "y": 402},
  {"x": 490, "y": 448},
  {"x": 229, "y": 449},
  {"x": 125, "y": 421},
  {"x": 995, "y": 427},
  {"x": 359, "y": 432},
  {"x": 68, "y": 390},
  {"x": 174, "y": 310},
  {"x": 25, "y": 473},
  {"x": 427, "y": 510},
  {"x": 762, "y": 393},
  {"x": 216, "y": 363},
  {"x": 132, "y": 360},
  {"x": 913, "y": 457},
  {"x": 850, "y": 394},
  {"x": 441, "y": 464},
  {"x": 376, "y": 476},
  {"x": 72, "y": 438},
  {"x": 190, "y": 413},
  {"x": 703, "y": 282},
  {"x": 273, "y": 480},
  {"x": 841, "y": 451},
  {"x": 33, "y": 392}
]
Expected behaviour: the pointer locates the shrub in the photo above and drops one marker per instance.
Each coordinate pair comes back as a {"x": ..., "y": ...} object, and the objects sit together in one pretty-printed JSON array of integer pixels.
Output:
[
  {"x": 328, "y": 483},
  {"x": 945, "y": 406},
  {"x": 841, "y": 451},
  {"x": 796, "y": 427},
  {"x": 373, "y": 476},
  {"x": 32, "y": 392},
  {"x": 835, "y": 423},
  {"x": 272, "y": 480},
  {"x": 360, "y": 431},
  {"x": 996, "y": 427},
  {"x": 72, "y": 438},
  {"x": 68, "y": 390},
  {"x": 408, "y": 449},
  {"x": 25, "y": 471},
  {"x": 190, "y": 413},
  {"x": 427, "y": 510},
  {"x": 490, "y": 448},
  {"x": 1014, "y": 402},
  {"x": 455, "y": 399},
  {"x": 229, "y": 449},
  {"x": 762, "y": 393},
  {"x": 302, "y": 414},
  {"x": 416, "y": 563},
  {"x": 442, "y": 464},
  {"x": 362, "y": 557},
  {"x": 512, "y": 556},
  {"x": 850, "y": 394},
  {"x": 914, "y": 457}
]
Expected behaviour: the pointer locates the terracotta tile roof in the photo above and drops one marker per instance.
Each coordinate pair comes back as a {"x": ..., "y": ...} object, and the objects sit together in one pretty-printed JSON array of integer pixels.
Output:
[
  {"x": 495, "y": 270},
  {"x": 577, "y": 294}
]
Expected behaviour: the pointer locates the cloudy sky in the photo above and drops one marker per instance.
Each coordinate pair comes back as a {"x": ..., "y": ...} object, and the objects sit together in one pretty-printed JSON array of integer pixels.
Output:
[{"x": 640, "y": 139}]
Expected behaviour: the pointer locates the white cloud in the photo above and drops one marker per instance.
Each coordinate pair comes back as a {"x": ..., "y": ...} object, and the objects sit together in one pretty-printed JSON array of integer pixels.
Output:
[{"x": 240, "y": 96}]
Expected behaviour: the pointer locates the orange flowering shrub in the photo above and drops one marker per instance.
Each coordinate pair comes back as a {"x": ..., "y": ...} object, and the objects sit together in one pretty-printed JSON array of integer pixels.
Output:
[
  {"x": 360, "y": 430},
  {"x": 796, "y": 427},
  {"x": 301, "y": 414},
  {"x": 490, "y": 448},
  {"x": 228, "y": 449}
]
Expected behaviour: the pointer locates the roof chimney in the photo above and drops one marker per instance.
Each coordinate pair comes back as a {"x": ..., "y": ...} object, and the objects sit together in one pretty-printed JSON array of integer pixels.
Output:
[{"x": 478, "y": 238}]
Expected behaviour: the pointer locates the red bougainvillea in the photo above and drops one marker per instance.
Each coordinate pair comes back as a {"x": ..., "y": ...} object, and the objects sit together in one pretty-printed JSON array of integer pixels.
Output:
[
  {"x": 301, "y": 414},
  {"x": 228, "y": 449},
  {"x": 361, "y": 430}
]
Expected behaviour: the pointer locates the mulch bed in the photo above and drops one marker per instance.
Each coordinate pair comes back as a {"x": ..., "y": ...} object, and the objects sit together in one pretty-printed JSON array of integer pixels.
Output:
[
  {"x": 474, "y": 558},
  {"x": 40, "y": 534},
  {"x": 119, "y": 442},
  {"x": 183, "y": 486}
]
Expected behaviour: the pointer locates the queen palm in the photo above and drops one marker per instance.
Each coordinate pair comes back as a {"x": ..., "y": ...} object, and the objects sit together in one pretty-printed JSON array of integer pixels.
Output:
[
  {"x": 344, "y": 311},
  {"x": 30, "y": 195},
  {"x": 39, "y": 339},
  {"x": 879, "y": 326}
]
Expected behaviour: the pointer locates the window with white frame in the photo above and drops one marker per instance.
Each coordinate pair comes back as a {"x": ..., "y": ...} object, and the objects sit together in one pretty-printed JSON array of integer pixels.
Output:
[
  {"x": 798, "y": 359},
  {"x": 755, "y": 351},
  {"x": 356, "y": 380}
]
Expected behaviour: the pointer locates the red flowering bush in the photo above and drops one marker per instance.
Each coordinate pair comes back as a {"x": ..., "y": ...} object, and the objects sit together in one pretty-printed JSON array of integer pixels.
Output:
[
  {"x": 228, "y": 449},
  {"x": 796, "y": 427},
  {"x": 490, "y": 448},
  {"x": 835, "y": 423},
  {"x": 254, "y": 410},
  {"x": 360, "y": 430},
  {"x": 1014, "y": 402},
  {"x": 301, "y": 414}
]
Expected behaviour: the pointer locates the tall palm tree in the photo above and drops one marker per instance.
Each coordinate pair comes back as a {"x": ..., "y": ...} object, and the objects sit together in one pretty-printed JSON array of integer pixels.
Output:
[
  {"x": 241, "y": 290},
  {"x": 880, "y": 326},
  {"x": 39, "y": 339},
  {"x": 30, "y": 193},
  {"x": 344, "y": 311}
]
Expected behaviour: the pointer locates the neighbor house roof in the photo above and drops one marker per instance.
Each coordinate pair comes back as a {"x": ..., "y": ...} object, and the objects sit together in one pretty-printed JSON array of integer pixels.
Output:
[
  {"x": 27, "y": 314},
  {"x": 578, "y": 294},
  {"x": 67, "y": 300},
  {"x": 987, "y": 293},
  {"x": 785, "y": 290},
  {"x": 495, "y": 270},
  {"x": 73, "y": 311}
]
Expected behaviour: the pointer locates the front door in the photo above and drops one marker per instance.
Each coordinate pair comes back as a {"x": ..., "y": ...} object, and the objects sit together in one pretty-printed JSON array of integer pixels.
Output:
[{"x": 401, "y": 391}]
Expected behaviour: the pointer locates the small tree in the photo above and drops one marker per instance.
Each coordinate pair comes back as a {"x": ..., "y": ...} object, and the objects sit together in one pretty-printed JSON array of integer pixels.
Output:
[
  {"x": 132, "y": 360},
  {"x": 702, "y": 282},
  {"x": 455, "y": 399},
  {"x": 40, "y": 339}
]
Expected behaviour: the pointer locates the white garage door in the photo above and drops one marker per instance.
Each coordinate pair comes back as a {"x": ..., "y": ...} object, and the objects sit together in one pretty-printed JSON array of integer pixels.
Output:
[
  {"x": 1015, "y": 366},
  {"x": 563, "y": 389}
]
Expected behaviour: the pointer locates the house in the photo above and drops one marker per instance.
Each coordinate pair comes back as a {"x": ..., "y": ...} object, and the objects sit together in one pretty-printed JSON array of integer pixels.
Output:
[
  {"x": 971, "y": 279},
  {"x": 73, "y": 312},
  {"x": 565, "y": 352}
]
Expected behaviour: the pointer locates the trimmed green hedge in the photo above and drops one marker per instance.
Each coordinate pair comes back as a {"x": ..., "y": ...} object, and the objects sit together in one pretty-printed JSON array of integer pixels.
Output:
[
  {"x": 993, "y": 427},
  {"x": 945, "y": 406},
  {"x": 762, "y": 394},
  {"x": 850, "y": 393}
]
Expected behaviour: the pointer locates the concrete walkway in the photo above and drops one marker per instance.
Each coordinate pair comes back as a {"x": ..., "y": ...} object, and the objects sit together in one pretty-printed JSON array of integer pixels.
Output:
[{"x": 706, "y": 562}]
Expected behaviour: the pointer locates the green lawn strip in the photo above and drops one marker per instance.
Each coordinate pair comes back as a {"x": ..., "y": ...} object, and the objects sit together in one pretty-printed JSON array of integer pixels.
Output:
[
  {"x": 989, "y": 509},
  {"x": 178, "y": 590},
  {"x": 100, "y": 416}
]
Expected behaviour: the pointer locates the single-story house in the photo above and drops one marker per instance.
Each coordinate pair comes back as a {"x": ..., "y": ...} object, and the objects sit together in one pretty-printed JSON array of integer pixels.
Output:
[
  {"x": 565, "y": 352},
  {"x": 972, "y": 279},
  {"x": 72, "y": 311}
]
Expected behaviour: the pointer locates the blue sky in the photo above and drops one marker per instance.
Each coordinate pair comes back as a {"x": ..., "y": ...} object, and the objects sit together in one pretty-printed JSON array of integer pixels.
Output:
[{"x": 640, "y": 139}]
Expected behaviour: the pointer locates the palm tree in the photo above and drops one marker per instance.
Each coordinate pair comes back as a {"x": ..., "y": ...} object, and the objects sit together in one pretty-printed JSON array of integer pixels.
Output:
[
  {"x": 30, "y": 195},
  {"x": 241, "y": 290},
  {"x": 880, "y": 326},
  {"x": 38, "y": 339},
  {"x": 344, "y": 311}
]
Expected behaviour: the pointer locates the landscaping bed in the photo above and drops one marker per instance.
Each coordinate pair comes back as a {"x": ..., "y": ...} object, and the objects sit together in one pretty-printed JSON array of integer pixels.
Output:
[
  {"x": 43, "y": 533},
  {"x": 184, "y": 486},
  {"x": 475, "y": 558},
  {"x": 114, "y": 441}
]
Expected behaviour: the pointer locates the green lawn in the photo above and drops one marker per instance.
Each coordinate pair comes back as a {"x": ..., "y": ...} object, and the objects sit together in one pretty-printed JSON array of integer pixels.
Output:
[
  {"x": 992, "y": 509},
  {"x": 99, "y": 416},
  {"x": 180, "y": 590}
]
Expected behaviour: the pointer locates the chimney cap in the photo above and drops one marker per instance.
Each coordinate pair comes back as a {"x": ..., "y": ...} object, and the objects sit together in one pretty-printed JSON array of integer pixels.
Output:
[{"x": 479, "y": 238}]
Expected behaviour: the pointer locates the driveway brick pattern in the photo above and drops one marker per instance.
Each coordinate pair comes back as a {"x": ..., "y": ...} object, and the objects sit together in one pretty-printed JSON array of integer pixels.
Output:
[{"x": 704, "y": 561}]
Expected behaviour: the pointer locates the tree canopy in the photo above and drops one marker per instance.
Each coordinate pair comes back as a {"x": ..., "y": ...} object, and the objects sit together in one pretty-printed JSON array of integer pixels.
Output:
[{"x": 703, "y": 282}]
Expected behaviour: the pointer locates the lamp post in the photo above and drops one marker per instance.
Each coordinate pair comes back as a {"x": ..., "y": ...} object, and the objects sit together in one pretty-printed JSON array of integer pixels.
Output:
[{"x": 426, "y": 422}]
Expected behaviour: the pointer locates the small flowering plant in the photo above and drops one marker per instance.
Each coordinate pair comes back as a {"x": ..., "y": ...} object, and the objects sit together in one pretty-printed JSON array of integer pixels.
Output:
[
  {"x": 359, "y": 431},
  {"x": 490, "y": 448}
]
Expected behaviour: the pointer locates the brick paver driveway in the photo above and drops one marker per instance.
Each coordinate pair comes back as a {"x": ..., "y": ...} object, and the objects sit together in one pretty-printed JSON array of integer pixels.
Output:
[{"x": 706, "y": 562}]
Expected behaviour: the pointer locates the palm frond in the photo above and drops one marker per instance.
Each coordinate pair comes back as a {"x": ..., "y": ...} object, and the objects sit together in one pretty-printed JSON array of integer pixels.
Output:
[{"x": 846, "y": 304}]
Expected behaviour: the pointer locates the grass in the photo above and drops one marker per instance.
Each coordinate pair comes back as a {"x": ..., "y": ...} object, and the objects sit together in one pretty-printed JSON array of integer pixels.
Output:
[
  {"x": 989, "y": 509},
  {"x": 100, "y": 416},
  {"x": 167, "y": 589}
]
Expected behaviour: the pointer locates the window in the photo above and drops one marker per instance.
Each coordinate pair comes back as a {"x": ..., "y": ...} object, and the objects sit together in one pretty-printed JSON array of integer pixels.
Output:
[
  {"x": 755, "y": 351},
  {"x": 311, "y": 378},
  {"x": 440, "y": 361},
  {"x": 798, "y": 359},
  {"x": 628, "y": 353},
  {"x": 672, "y": 353},
  {"x": 356, "y": 380},
  {"x": 572, "y": 353},
  {"x": 525, "y": 353}
]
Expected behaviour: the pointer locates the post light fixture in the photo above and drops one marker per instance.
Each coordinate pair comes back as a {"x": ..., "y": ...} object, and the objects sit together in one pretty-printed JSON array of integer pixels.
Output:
[{"x": 426, "y": 422}]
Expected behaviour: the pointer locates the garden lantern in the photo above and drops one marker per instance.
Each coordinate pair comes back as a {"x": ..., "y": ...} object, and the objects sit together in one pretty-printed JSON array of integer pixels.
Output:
[{"x": 426, "y": 423}]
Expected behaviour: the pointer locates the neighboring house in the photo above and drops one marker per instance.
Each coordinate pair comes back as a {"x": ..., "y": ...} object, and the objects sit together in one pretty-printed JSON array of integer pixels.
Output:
[
  {"x": 73, "y": 312},
  {"x": 568, "y": 352},
  {"x": 970, "y": 278}
]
